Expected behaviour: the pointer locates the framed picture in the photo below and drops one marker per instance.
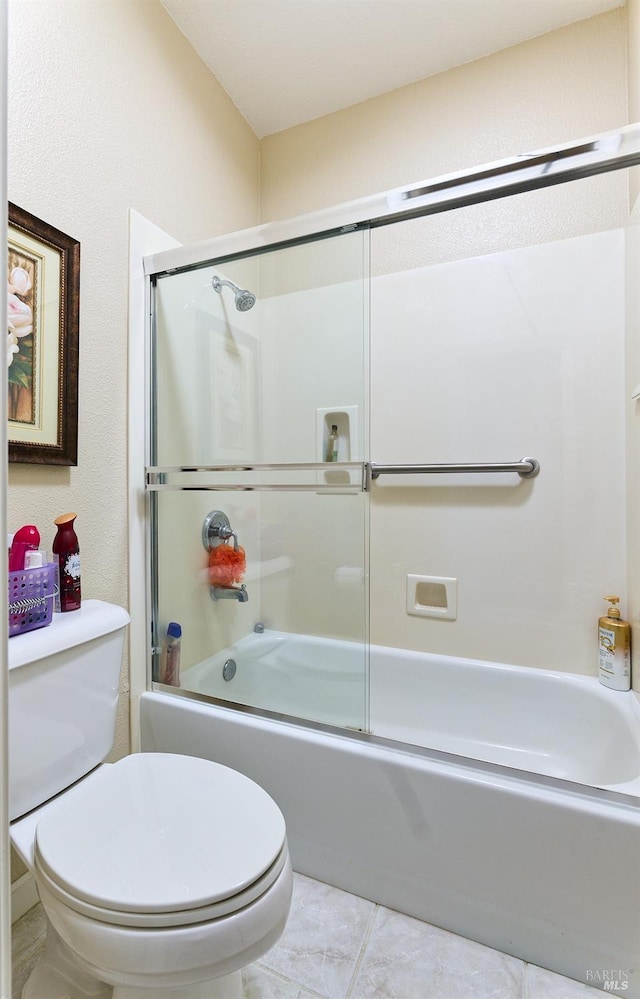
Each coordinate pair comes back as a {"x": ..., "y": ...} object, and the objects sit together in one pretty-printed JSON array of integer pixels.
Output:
[{"x": 43, "y": 307}]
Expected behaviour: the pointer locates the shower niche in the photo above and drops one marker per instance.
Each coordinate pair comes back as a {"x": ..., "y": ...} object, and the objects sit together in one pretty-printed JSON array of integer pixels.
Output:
[{"x": 345, "y": 418}]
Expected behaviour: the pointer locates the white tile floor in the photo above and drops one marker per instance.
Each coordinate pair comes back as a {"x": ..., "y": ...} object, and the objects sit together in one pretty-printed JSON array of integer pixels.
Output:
[{"x": 339, "y": 946}]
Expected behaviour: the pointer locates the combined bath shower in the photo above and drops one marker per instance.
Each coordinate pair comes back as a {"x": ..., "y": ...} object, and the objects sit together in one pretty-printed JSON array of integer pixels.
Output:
[{"x": 245, "y": 300}]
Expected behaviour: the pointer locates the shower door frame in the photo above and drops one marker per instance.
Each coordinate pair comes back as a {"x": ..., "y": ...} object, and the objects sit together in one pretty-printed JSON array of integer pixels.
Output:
[
  {"x": 555, "y": 165},
  {"x": 561, "y": 164}
]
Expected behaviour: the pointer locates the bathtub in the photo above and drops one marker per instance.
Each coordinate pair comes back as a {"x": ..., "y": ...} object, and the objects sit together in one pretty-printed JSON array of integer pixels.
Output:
[
  {"x": 320, "y": 679},
  {"x": 544, "y": 722},
  {"x": 509, "y": 848}
]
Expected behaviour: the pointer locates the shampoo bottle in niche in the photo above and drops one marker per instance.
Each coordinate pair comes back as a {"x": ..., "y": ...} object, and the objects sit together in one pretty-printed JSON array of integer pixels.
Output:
[
  {"x": 67, "y": 550},
  {"x": 614, "y": 648},
  {"x": 332, "y": 444}
]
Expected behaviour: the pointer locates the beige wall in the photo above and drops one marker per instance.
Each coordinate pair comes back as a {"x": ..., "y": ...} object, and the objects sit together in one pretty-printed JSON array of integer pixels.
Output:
[
  {"x": 563, "y": 85},
  {"x": 111, "y": 109}
]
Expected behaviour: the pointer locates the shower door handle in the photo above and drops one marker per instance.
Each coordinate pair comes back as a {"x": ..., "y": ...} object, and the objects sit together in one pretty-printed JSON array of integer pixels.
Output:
[{"x": 527, "y": 468}]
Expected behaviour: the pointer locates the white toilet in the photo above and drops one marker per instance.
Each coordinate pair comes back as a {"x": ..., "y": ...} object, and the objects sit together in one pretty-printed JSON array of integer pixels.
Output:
[{"x": 161, "y": 875}]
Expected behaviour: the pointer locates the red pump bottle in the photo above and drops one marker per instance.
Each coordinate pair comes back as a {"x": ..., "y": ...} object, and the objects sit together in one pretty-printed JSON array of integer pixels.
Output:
[{"x": 66, "y": 547}]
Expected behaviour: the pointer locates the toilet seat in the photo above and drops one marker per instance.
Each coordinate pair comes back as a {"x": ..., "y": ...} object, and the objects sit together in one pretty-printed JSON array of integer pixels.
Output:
[
  {"x": 161, "y": 840},
  {"x": 151, "y": 920}
]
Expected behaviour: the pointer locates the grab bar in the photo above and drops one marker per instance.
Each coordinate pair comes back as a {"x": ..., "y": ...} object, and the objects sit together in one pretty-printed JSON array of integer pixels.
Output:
[{"x": 527, "y": 468}]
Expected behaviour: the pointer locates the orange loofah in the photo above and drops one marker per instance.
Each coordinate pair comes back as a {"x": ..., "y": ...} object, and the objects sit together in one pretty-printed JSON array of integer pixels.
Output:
[{"x": 226, "y": 565}]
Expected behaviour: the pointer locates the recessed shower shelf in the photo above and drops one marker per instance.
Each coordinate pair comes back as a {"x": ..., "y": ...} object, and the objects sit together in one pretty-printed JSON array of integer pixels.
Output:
[{"x": 314, "y": 477}]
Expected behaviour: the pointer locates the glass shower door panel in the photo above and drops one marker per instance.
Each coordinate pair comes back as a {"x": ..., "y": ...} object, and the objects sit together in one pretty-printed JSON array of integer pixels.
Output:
[
  {"x": 265, "y": 384},
  {"x": 502, "y": 331},
  {"x": 515, "y": 349},
  {"x": 245, "y": 400},
  {"x": 293, "y": 640}
]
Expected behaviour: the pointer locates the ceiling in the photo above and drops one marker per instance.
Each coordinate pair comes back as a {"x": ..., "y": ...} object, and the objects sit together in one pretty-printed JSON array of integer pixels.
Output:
[{"x": 284, "y": 62}]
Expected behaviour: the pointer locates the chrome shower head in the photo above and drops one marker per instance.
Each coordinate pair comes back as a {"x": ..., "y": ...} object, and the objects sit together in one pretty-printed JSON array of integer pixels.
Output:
[{"x": 245, "y": 299}]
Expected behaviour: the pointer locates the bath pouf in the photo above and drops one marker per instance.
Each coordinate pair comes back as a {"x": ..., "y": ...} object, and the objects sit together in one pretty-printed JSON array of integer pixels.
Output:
[{"x": 226, "y": 565}]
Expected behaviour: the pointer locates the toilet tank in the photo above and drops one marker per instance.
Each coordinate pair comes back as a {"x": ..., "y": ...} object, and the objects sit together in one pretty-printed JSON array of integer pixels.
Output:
[{"x": 63, "y": 697}]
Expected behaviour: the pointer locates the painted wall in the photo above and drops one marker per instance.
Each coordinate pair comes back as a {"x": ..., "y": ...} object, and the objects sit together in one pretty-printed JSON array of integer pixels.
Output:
[
  {"x": 563, "y": 85},
  {"x": 110, "y": 109}
]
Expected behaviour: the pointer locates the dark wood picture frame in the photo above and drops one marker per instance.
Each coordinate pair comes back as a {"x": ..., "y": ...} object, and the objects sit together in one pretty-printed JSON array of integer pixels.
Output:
[{"x": 43, "y": 325}]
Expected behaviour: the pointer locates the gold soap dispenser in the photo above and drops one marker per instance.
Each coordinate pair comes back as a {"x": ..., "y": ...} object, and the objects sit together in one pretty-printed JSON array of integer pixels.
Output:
[{"x": 614, "y": 648}]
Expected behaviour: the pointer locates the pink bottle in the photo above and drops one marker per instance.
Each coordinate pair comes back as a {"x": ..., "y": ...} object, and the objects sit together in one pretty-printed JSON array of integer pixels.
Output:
[
  {"x": 24, "y": 540},
  {"x": 66, "y": 547}
]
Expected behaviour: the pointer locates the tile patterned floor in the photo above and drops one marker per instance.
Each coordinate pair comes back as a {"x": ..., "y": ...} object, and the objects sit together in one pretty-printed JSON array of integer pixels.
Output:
[{"x": 339, "y": 946}]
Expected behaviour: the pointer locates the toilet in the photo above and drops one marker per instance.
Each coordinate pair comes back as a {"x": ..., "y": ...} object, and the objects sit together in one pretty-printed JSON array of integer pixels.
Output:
[{"x": 160, "y": 875}]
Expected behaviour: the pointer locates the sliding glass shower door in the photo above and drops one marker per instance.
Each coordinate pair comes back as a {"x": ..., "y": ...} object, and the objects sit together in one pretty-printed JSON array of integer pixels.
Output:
[
  {"x": 502, "y": 330},
  {"x": 259, "y": 516},
  {"x": 489, "y": 320}
]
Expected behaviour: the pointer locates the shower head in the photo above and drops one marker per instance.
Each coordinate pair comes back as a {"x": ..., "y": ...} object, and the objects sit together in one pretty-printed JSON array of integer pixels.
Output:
[{"x": 245, "y": 300}]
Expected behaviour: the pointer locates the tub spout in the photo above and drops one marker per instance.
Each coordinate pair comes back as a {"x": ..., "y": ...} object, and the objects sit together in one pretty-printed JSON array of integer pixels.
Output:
[{"x": 229, "y": 593}]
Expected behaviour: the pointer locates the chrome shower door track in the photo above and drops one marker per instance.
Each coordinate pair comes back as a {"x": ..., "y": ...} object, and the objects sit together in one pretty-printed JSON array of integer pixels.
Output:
[{"x": 516, "y": 175}]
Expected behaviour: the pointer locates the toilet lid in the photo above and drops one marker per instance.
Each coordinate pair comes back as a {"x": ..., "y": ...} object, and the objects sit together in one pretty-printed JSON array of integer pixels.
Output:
[{"x": 158, "y": 832}]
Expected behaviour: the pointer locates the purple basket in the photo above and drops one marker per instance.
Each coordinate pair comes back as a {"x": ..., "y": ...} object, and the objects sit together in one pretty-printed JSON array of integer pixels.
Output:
[{"x": 31, "y": 593}]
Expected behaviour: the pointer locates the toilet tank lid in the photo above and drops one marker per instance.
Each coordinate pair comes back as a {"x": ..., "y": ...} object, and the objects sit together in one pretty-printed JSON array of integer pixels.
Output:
[{"x": 94, "y": 619}]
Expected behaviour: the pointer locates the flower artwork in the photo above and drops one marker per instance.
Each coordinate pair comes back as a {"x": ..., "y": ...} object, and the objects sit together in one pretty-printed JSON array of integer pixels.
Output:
[
  {"x": 21, "y": 312},
  {"x": 43, "y": 311}
]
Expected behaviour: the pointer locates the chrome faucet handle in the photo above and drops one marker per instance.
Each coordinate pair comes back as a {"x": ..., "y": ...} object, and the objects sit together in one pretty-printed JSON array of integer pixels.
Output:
[
  {"x": 217, "y": 529},
  {"x": 225, "y": 533}
]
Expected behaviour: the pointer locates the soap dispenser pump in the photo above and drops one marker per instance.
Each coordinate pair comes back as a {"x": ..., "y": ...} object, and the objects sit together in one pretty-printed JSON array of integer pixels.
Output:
[{"x": 614, "y": 648}]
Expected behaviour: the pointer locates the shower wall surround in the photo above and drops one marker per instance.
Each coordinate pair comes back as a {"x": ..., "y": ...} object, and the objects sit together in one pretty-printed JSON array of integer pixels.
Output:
[{"x": 490, "y": 359}]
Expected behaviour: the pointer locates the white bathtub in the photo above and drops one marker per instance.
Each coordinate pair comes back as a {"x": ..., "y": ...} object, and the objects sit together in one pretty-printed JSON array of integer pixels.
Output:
[
  {"x": 319, "y": 679},
  {"x": 544, "y": 722},
  {"x": 539, "y": 867}
]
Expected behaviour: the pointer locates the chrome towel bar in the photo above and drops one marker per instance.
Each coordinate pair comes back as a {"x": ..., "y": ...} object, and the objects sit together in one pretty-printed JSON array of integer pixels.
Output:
[
  {"x": 527, "y": 468},
  {"x": 314, "y": 477}
]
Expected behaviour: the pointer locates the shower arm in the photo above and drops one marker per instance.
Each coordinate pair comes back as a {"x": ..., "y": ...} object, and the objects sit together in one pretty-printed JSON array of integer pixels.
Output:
[{"x": 217, "y": 283}]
